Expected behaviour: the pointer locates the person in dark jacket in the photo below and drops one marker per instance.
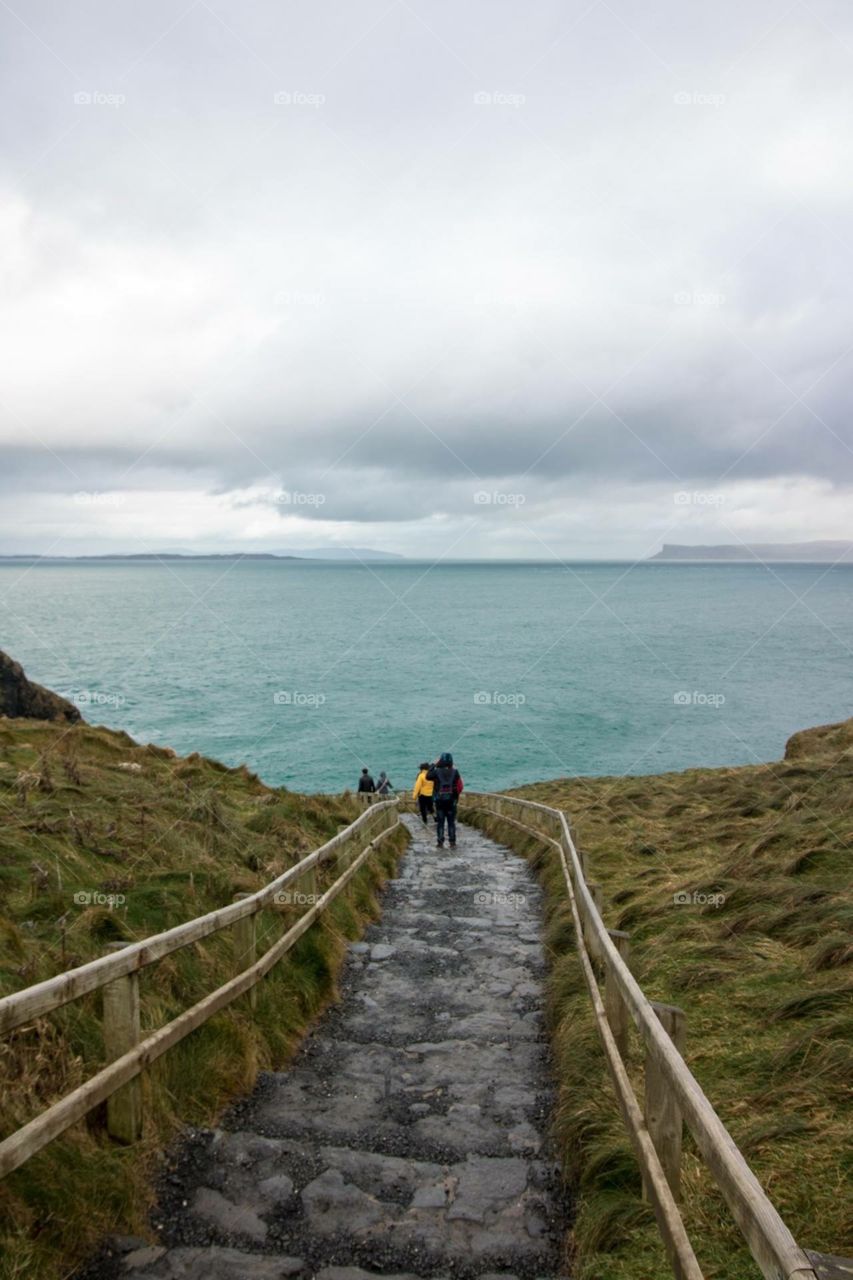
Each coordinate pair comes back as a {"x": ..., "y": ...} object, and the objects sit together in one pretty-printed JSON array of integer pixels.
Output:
[
  {"x": 365, "y": 782},
  {"x": 447, "y": 786},
  {"x": 383, "y": 786}
]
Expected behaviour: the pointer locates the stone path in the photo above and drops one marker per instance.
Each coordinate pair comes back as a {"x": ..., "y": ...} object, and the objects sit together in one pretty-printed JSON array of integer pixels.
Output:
[{"x": 407, "y": 1137}]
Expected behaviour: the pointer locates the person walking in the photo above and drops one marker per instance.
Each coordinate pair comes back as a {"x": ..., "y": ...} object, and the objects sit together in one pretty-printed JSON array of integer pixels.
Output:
[
  {"x": 365, "y": 782},
  {"x": 422, "y": 792},
  {"x": 447, "y": 788},
  {"x": 383, "y": 786}
]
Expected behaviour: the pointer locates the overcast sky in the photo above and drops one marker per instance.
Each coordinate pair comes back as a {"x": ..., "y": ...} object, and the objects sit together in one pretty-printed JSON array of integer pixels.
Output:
[{"x": 479, "y": 278}]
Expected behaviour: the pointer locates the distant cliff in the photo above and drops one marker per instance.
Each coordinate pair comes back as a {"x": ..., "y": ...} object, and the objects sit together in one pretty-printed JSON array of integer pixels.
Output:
[
  {"x": 20, "y": 697},
  {"x": 812, "y": 552}
]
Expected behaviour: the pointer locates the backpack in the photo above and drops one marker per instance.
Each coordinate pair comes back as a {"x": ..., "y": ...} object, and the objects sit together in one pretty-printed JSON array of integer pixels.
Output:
[{"x": 445, "y": 783}]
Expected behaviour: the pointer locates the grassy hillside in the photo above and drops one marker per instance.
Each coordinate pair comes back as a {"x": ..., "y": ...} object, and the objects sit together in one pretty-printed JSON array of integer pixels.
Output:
[
  {"x": 104, "y": 840},
  {"x": 764, "y": 977}
]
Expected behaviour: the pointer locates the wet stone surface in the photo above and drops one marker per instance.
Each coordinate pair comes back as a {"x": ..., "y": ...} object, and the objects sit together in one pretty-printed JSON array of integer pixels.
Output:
[{"x": 408, "y": 1137}]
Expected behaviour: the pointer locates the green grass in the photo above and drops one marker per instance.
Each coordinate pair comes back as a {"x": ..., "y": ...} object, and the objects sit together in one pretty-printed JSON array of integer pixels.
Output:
[
  {"x": 764, "y": 979},
  {"x": 174, "y": 839}
]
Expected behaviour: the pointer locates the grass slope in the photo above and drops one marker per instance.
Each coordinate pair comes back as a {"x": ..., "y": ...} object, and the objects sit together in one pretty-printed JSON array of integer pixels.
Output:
[
  {"x": 104, "y": 840},
  {"x": 764, "y": 977}
]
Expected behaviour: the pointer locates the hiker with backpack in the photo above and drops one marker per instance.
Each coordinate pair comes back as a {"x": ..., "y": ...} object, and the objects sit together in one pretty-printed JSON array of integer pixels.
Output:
[
  {"x": 447, "y": 787},
  {"x": 422, "y": 792}
]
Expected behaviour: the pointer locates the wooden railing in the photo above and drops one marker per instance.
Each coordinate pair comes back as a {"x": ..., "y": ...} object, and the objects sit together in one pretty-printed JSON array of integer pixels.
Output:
[
  {"x": 672, "y": 1095},
  {"x": 118, "y": 974}
]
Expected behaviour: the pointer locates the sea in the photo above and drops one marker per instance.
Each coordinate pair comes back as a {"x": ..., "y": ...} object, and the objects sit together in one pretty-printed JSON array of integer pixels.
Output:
[{"x": 307, "y": 671}]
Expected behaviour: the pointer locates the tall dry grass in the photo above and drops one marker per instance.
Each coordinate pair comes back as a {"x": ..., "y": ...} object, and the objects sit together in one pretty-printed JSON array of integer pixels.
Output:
[{"x": 173, "y": 838}]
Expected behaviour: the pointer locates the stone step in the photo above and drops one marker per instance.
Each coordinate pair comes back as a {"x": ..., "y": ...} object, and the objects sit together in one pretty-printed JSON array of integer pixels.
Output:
[{"x": 408, "y": 1138}]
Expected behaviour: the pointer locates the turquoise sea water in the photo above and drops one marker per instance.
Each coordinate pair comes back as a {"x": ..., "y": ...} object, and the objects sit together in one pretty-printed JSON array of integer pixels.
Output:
[{"x": 524, "y": 671}]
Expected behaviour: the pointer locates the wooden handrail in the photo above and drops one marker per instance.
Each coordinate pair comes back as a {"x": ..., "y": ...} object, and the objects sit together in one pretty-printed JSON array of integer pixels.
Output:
[
  {"x": 771, "y": 1243},
  {"x": 676, "y": 1241},
  {"x": 43, "y": 997},
  {"x": 111, "y": 971}
]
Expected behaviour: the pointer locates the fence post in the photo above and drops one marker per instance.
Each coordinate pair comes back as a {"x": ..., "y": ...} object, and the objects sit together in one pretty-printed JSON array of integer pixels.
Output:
[
  {"x": 591, "y": 939},
  {"x": 344, "y": 860},
  {"x": 570, "y": 866},
  {"x": 662, "y": 1112},
  {"x": 246, "y": 946},
  {"x": 615, "y": 1007},
  {"x": 307, "y": 886},
  {"x": 121, "y": 1033}
]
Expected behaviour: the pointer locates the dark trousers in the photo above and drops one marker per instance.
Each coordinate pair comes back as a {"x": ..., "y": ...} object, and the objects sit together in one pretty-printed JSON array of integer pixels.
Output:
[
  {"x": 445, "y": 813},
  {"x": 426, "y": 807}
]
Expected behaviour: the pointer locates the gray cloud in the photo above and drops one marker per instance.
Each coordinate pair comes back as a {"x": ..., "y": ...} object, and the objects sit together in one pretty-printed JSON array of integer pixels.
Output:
[{"x": 392, "y": 255}]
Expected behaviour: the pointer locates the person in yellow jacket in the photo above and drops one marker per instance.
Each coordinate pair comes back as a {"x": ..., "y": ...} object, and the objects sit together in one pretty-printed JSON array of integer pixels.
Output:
[{"x": 422, "y": 792}]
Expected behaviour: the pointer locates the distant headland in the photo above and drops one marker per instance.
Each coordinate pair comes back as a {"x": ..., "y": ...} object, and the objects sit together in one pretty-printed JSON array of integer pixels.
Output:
[
  {"x": 803, "y": 552},
  {"x": 156, "y": 555},
  {"x": 354, "y": 554}
]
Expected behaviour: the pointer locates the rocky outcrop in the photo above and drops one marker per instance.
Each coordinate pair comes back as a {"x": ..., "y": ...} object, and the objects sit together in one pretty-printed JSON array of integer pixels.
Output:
[
  {"x": 22, "y": 697},
  {"x": 826, "y": 742}
]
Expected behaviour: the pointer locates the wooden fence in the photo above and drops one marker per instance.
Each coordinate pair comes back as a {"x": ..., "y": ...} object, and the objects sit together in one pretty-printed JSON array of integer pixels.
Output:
[
  {"x": 672, "y": 1096},
  {"x": 118, "y": 974}
]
